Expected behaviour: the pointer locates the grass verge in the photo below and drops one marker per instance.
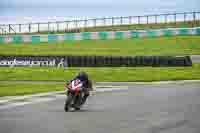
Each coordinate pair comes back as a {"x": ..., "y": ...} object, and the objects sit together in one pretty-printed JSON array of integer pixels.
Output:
[
  {"x": 144, "y": 74},
  {"x": 180, "y": 45},
  {"x": 103, "y": 74},
  {"x": 23, "y": 89}
]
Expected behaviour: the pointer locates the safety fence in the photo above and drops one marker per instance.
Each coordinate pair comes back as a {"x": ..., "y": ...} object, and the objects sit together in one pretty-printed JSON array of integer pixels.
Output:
[
  {"x": 52, "y": 38},
  {"x": 191, "y": 18}
]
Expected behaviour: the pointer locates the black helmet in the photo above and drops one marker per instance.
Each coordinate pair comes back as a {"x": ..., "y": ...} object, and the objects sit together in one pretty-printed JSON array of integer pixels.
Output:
[{"x": 83, "y": 76}]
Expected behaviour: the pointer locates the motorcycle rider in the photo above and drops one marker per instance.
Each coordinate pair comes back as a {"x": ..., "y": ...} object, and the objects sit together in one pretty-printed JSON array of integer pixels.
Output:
[{"x": 87, "y": 85}]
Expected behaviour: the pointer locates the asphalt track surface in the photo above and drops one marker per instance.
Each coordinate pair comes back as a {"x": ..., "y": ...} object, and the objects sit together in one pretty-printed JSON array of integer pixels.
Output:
[{"x": 160, "y": 108}]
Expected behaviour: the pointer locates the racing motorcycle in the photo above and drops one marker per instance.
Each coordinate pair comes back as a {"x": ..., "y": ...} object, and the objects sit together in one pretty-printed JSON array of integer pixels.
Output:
[{"x": 74, "y": 91}]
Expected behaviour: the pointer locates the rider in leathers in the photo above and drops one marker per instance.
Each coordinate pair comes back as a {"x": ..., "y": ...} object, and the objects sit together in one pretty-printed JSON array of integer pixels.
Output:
[{"x": 87, "y": 85}]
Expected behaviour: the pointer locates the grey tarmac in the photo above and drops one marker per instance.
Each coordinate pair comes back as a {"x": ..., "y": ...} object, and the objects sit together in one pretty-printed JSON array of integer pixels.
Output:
[{"x": 142, "y": 108}]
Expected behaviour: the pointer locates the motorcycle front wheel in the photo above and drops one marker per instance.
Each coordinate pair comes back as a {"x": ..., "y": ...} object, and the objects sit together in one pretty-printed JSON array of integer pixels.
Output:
[
  {"x": 77, "y": 102},
  {"x": 68, "y": 102}
]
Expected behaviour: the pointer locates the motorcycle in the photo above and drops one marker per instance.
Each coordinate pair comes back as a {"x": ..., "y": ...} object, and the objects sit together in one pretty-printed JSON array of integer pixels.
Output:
[{"x": 74, "y": 95}]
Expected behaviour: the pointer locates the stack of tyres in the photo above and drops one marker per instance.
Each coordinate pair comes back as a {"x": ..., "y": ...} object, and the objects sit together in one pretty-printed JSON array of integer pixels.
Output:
[
  {"x": 132, "y": 62},
  {"x": 148, "y": 61},
  {"x": 69, "y": 61},
  {"x": 137, "y": 61},
  {"x": 85, "y": 61},
  {"x": 188, "y": 61},
  {"x": 81, "y": 61},
  {"x": 99, "y": 61},
  {"x": 76, "y": 61},
  {"x": 155, "y": 61},
  {"x": 92, "y": 61},
  {"x": 115, "y": 61},
  {"x": 179, "y": 61},
  {"x": 109, "y": 61},
  {"x": 163, "y": 61}
]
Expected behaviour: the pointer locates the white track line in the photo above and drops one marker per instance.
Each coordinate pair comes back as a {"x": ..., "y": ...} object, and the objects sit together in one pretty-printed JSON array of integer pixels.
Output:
[
  {"x": 33, "y": 100},
  {"x": 11, "y": 105},
  {"x": 111, "y": 89},
  {"x": 44, "y": 99}
]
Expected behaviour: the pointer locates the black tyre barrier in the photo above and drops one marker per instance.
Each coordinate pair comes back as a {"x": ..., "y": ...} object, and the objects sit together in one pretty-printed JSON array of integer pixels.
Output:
[
  {"x": 115, "y": 61},
  {"x": 138, "y": 61},
  {"x": 163, "y": 61},
  {"x": 69, "y": 61},
  {"x": 82, "y": 61},
  {"x": 99, "y": 61},
  {"x": 107, "y": 61},
  {"x": 188, "y": 61},
  {"x": 92, "y": 61},
  {"x": 156, "y": 61},
  {"x": 86, "y": 61}
]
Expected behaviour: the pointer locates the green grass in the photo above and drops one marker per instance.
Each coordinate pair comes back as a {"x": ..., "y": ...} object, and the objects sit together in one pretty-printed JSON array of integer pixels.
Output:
[
  {"x": 103, "y": 74},
  {"x": 22, "y": 89},
  {"x": 180, "y": 45},
  {"x": 144, "y": 74}
]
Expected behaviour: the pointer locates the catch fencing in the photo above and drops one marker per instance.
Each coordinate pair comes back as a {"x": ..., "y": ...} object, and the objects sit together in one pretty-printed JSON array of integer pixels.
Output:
[{"x": 191, "y": 18}]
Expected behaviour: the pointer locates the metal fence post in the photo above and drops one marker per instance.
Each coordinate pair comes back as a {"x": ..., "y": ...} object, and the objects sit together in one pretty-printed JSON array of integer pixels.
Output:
[
  {"x": 29, "y": 27},
  {"x": 194, "y": 19},
  {"x": 94, "y": 22},
  {"x": 19, "y": 27},
  {"x": 104, "y": 21},
  {"x": 184, "y": 17},
  {"x": 198, "y": 22},
  {"x": 57, "y": 26},
  {"x": 138, "y": 19},
  {"x": 194, "y": 16},
  {"x": 9, "y": 28},
  {"x": 175, "y": 18},
  {"x": 156, "y": 19},
  {"x": 121, "y": 20},
  {"x": 85, "y": 23},
  {"x": 76, "y": 25},
  {"x": 166, "y": 15},
  {"x": 130, "y": 20},
  {"x": 66, "y": 29},
  {"x": 147, "y": 19},
  {"x": 112, "y": 21},
  {"x": 38, "y": 27},
  {"x": 48, "y": 27}
]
